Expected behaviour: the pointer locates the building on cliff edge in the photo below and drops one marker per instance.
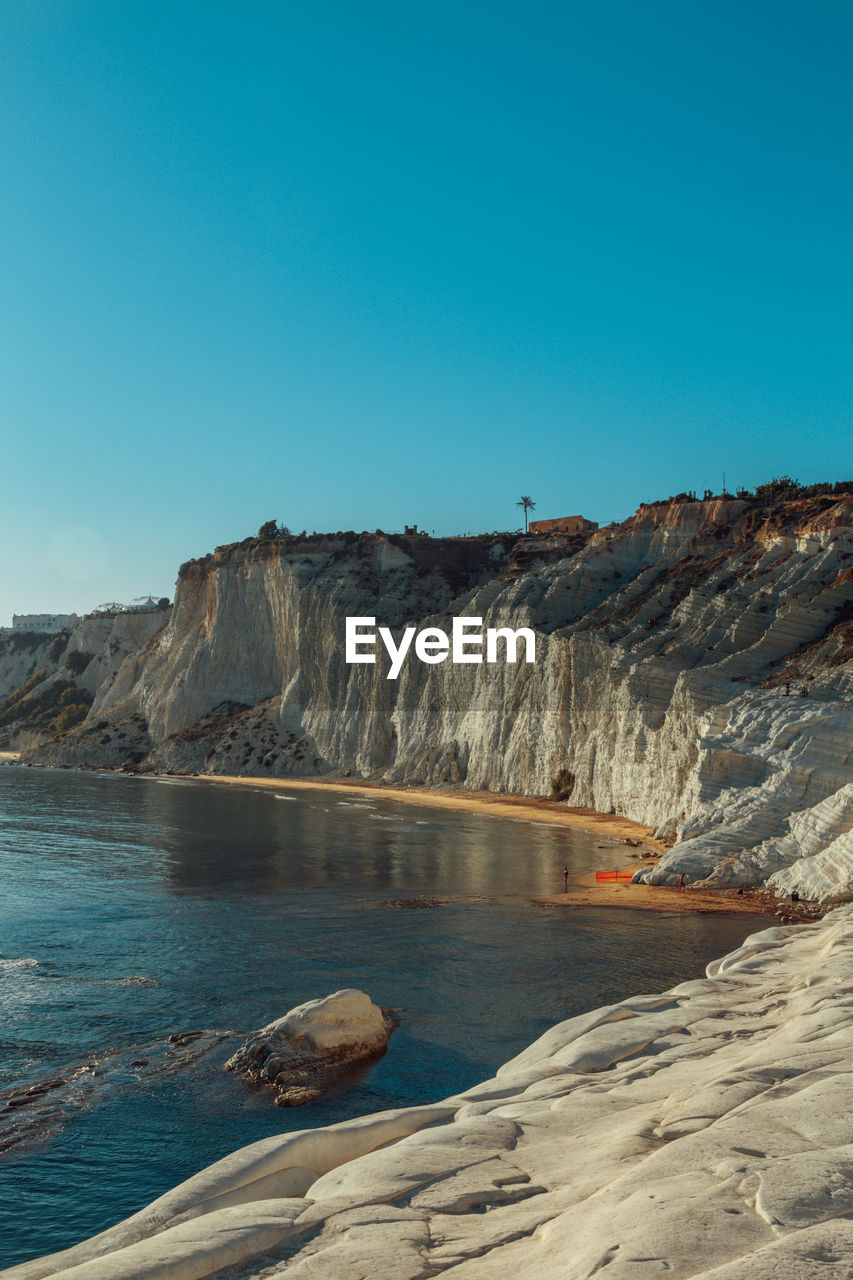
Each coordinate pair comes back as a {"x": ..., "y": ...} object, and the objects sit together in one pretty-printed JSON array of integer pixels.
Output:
[
  {"x": 43, "y": 623},
  {"x": 565, "y": 524}
]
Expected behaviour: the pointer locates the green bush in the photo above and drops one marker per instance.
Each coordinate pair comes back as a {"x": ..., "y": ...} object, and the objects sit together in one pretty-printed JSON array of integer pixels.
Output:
[
  {"x": 32, "y": 708},
  {"x": 78, "y": 662},
  {"x": 561, "y": 784},
  {"x": 57, "y": 644},
  {"x": 70, "y": 716},
  {"x": 271, "y": 529}
]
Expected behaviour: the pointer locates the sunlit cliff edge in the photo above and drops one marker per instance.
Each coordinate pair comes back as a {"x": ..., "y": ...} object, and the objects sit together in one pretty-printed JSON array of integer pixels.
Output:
[{"x": 664, "y": 646}]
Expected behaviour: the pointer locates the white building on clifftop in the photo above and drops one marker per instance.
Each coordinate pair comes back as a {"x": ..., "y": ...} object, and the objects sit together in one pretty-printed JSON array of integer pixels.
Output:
[{"x": 43, "y": 623}]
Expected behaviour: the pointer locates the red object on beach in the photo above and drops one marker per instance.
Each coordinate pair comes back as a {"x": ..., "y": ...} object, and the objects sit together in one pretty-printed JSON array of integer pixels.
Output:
[{"x": 614, "y": 875}]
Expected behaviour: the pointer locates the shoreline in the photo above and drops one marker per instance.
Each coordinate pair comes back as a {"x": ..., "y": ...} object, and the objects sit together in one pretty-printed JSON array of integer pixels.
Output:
[
  {"x": 583, "y": 890},
  {"x": 495, "y": 804}
]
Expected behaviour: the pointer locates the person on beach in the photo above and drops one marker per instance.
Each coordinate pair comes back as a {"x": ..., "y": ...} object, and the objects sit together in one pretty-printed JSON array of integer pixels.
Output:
[
  {"x": 681, "y": 885},
  {"x": 565, "y": 879}
]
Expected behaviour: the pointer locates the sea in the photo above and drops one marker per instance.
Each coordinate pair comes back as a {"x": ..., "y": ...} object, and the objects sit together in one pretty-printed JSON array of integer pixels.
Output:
[{"x": 138, "y": 911}]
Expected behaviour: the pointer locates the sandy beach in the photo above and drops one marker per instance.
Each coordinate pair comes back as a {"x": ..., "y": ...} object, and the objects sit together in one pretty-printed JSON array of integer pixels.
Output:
[
  {"x": 583, "y": 891},
  {"x": 521, "y": 808}
]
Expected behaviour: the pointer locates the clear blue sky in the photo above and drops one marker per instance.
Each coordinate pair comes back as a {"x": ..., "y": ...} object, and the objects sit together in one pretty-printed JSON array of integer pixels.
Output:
[{"x": 352, "y": 266}]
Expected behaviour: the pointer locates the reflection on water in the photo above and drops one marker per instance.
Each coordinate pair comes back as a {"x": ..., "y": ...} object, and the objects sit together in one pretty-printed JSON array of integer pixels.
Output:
[{"x": 137, "y": 907}]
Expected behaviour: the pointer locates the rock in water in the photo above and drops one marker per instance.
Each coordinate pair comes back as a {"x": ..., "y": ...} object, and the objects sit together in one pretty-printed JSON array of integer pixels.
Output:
[{"x": 304, "y": 1052}]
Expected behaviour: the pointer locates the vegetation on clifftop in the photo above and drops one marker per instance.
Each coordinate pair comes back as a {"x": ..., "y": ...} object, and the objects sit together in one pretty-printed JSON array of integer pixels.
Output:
[{"x": 778, "y": 490}]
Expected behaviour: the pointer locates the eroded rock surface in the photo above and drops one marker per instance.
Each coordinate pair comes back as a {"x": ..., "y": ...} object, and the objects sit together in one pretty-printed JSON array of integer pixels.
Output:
[
  {"x": 705, "y": 1134},
  {"x": 302, "y": 1053}
]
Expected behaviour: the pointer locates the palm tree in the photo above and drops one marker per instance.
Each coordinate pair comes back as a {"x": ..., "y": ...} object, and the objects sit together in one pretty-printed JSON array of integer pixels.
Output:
[{"x": 529, "y": 505}]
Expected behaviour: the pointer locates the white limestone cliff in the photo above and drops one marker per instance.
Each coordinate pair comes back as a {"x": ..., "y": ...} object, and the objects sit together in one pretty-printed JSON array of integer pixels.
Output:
[
  {"x": 706, "y": 1133},
  {"x": 770, "y": 799},
  {"x": 87, "y": 657},
  {"x": 106, "y": 641},
  {"x": 663, "y": 648}
]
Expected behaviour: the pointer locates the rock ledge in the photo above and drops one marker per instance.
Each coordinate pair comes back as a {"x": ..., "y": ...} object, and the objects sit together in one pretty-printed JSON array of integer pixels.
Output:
[{"x": 702, "y": 1134}]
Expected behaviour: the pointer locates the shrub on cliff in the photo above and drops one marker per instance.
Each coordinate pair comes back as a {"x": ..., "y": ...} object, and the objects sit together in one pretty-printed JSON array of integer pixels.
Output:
[
  {"x": 78, "y": 662},
  {"x": 271, "y": 529},
  {"x": 70, "y": 716},
  {"x": 53, "y": 708},
  {"x": 779, "y": 489},
  {"x": 57, "y": 644},
  {"x": 22, "y": 640},
  {"x": 561, "y": 784}
]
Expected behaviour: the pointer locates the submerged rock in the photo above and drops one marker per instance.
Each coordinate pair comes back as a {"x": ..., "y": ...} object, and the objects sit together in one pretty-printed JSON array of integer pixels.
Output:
[
  {"x": 301, "y": 1054},
  {"x": 30, "y": 1112}
]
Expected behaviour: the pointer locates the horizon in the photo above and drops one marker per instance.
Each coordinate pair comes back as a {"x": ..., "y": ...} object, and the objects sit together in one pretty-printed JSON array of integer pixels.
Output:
[{"x": 376, "y": 269}]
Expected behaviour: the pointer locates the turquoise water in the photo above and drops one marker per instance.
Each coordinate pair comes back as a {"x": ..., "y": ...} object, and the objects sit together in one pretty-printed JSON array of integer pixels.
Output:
[{"x": 136, "y": 908}]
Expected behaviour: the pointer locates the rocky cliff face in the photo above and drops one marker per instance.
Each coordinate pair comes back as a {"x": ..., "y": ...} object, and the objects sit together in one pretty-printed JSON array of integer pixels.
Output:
[
  {"x": 81, "y": 662},
  {"x": 663, "y": 650}
]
